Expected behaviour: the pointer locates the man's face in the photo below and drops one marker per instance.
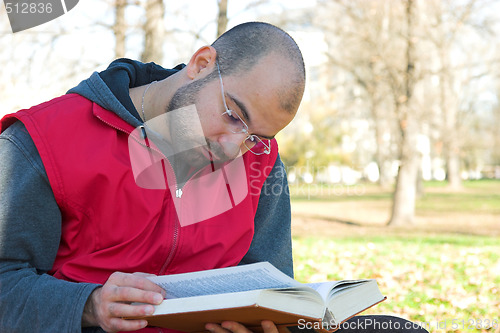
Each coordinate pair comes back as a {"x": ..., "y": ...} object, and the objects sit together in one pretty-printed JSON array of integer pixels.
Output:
[{"x": 253, "y": 95}]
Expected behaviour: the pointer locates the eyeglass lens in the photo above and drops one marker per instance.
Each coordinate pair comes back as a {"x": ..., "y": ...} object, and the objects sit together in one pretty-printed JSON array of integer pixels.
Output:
[
  {"x": 252, "y": 142},
  {"x": 257, "y": 146}
]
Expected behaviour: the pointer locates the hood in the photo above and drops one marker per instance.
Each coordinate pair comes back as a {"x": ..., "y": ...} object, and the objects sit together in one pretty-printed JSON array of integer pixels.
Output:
[{"x": 110, "y": 88}]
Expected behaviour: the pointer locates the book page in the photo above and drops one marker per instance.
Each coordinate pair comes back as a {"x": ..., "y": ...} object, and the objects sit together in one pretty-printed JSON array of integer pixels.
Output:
[
  {"x": 323, "y": 288},
  {"x": 224, "y": 280},
  {"x": 327, "y": 289}
]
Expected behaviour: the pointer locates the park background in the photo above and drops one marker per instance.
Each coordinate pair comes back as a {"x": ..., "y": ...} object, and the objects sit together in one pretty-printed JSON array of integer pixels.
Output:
[{"x": 394, "y": 156}]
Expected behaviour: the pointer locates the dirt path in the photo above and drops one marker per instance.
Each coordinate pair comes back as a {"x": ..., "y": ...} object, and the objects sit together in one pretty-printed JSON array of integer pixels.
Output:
[{"x": 369, "y": 218}]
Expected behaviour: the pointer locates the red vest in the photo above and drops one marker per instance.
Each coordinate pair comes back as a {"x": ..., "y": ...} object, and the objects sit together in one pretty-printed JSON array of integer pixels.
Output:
[{"x": 109, "y": 222}]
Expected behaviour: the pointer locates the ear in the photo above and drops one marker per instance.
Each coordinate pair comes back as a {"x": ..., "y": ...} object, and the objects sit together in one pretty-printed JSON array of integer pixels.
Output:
[{"x": 201, "y": 63}]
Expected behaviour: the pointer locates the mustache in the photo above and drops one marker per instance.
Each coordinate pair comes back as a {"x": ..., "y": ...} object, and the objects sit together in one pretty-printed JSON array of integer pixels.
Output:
[{"x": 217, "y": 152}]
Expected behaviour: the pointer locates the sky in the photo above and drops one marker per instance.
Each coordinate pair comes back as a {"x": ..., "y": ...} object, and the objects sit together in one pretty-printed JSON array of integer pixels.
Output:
[
  {"x": 36, "y": 66},
  {"x": 48, "y": 59}
]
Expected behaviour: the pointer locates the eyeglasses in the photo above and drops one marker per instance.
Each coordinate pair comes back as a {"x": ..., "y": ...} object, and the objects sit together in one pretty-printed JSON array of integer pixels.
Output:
[{"x": 252, "y": 142}]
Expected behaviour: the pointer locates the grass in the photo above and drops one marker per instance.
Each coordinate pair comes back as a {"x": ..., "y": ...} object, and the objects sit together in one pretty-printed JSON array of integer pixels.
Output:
[
  {"x": 448, "y": 281},
  {"x": 460, "y": 202},
  {"x": 481, "y": 195}
]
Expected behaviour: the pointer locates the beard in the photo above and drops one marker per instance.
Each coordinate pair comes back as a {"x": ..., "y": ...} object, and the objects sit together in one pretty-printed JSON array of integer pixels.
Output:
[{"x": 191, "y": 146}]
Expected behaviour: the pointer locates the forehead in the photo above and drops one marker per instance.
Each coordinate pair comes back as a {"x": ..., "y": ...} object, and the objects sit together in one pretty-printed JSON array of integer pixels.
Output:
[{"x": 261, "y": 90}]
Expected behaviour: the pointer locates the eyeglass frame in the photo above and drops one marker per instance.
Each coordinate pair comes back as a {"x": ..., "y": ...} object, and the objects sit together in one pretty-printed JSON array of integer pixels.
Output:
[{"x": 252, "y": 137}]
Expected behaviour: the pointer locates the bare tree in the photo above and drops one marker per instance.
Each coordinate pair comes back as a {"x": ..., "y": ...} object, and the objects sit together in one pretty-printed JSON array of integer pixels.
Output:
[
  {"x": 393, "y": 51},
  {"x": 120, "y": 28},
  {"x": 449, "y": 31},
  {"x": 374, "y": 43},
  {"x": 154, "y": 31},
  {"x": 443, "y": 34},
  {"x": 221, "y": 17},
  {"x": 364, "y": 40},
  {"x": 363, "y": 63},
  {"x": 403, "y": 207}
]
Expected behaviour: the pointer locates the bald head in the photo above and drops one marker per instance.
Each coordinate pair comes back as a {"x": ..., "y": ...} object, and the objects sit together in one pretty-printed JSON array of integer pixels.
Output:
[{"x": 244, "y": 46}]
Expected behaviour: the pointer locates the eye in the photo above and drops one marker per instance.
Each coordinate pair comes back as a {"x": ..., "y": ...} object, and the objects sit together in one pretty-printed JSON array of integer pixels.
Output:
[{"x": 233, "y": 117}]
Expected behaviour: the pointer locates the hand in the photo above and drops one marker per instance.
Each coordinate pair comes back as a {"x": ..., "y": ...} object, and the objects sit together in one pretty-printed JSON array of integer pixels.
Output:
[
  {"x": 234, "y": 327},
  {"x": 107, "y": 305}
]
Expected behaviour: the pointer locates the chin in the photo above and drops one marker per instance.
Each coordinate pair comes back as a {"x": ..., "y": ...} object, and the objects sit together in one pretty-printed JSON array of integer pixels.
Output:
[{"x": 197, "y": 160}]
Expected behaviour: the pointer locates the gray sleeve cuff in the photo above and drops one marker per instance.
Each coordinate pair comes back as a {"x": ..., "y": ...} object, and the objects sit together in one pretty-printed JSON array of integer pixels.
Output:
[{"x": 34, "y": 302}]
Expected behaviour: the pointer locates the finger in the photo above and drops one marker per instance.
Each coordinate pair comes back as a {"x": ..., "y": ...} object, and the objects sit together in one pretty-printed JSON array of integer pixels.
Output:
[
  {"x": 118, "y": 324},
  {"x": 136, "y": 281},
  {"x": 269, "y": 327},
  {"x": 129, "y": 295},
  {"x": 214, "y": 328},
  {"x": 144, "y": 274},
  {"x": 154, "y": 286},
  {"x": 234, "y": 327},
  {"x": 122, "y": 310}
]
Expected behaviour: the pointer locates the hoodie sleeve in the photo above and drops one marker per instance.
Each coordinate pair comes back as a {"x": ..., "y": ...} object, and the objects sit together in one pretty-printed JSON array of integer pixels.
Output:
[
  {"x": 110, "y": 88},
  {"x": 30, "y": 228},
  {"x": 272, "y": 240}
]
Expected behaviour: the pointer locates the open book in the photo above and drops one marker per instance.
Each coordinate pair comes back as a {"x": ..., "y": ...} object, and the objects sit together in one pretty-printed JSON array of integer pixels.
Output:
[{"x": 251, "y": 293}]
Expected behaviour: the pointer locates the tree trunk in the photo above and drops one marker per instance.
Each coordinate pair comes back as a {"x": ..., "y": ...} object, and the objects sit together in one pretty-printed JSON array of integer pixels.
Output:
[
  {"x": 405, "y": 194},
  {"x": 451, "y": 145},
  {"x": 222, "y": 17},
  {"x": 381, "y": 154},
  {"x": 120, "y": 28},
  {"x": 449, "y": 108},
  {"x": 154, "y": 31},
  {"x": 403, "y": 209},
  {"x": 453, "y": 169}
]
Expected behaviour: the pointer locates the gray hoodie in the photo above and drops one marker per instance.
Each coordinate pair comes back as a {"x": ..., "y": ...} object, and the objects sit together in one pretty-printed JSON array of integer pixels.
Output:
[{"x": 30, "y": 220}]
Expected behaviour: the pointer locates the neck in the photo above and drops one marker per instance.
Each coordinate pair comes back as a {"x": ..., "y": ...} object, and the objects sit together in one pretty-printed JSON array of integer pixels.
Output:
[{"x": 157, "y": 97}]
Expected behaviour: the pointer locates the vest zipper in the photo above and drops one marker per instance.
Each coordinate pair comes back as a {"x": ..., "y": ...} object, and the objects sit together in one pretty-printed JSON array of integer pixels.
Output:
[
  {"x": 172, "y": 250},
  {"x": 175, "y": 237},
  {"x": 178, "y": 194},
  {"x": 178, "y": 190}
]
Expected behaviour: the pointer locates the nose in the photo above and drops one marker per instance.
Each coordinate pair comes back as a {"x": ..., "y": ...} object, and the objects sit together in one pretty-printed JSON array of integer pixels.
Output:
[{"x": 232, "y": 143}]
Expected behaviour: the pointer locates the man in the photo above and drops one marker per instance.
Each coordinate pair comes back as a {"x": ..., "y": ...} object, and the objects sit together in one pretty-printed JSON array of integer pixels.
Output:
[
  {"x": 150, "y": 170},
  {"x": 76, "y": 221}
]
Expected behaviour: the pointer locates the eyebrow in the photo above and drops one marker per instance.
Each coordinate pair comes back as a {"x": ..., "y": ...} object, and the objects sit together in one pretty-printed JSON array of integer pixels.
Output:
[
  {"x": 241, "y": 106},
  {"x": 244, "y": 113}
]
